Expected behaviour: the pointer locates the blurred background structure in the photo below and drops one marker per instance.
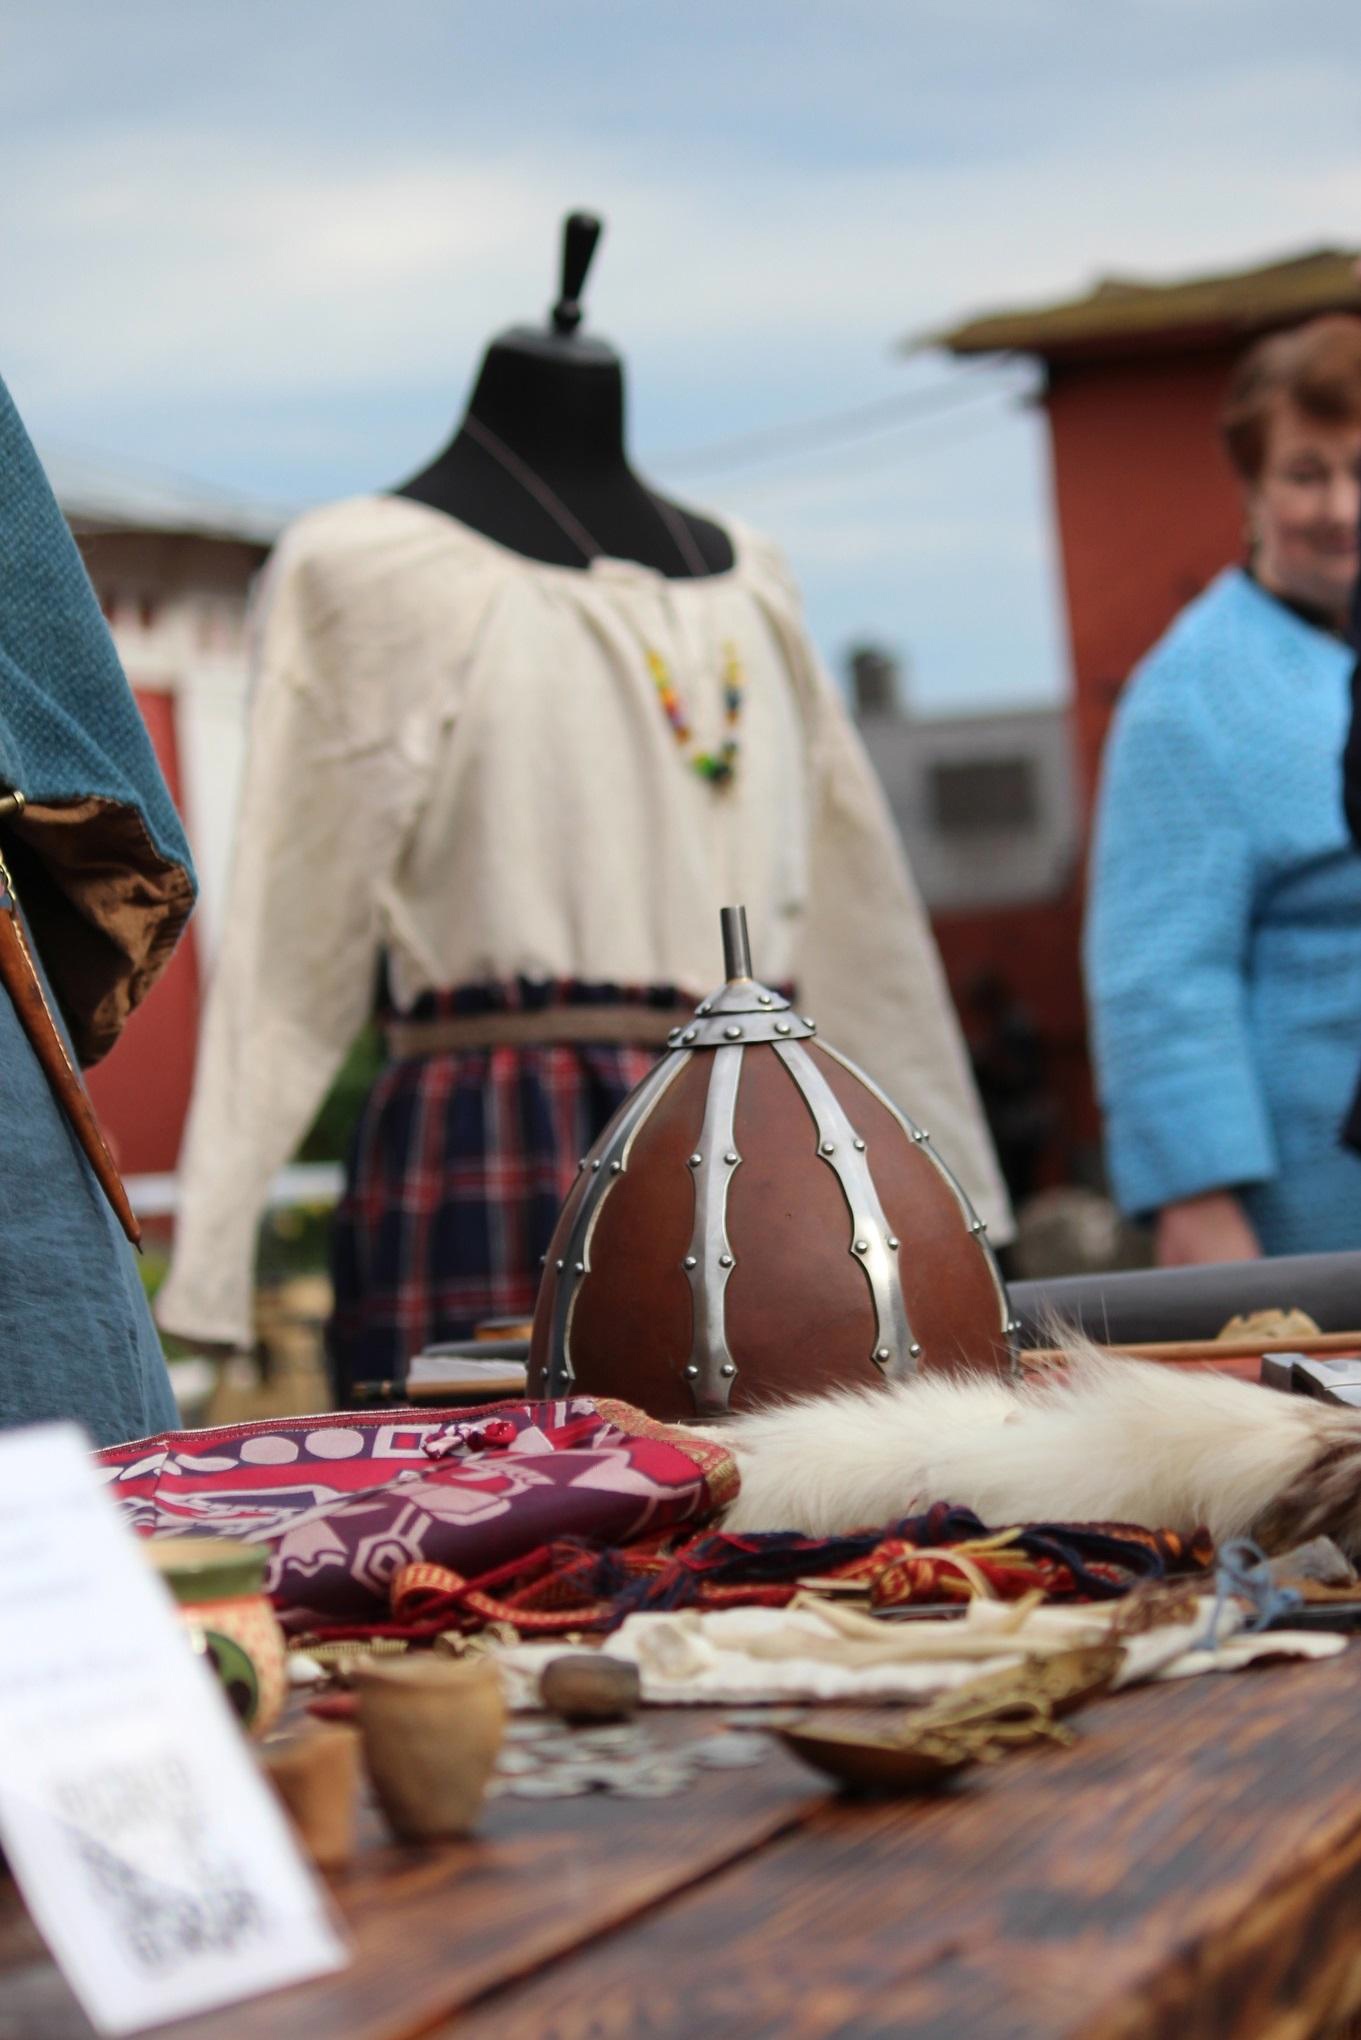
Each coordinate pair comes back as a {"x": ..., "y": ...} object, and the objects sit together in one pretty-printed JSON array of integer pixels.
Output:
[{"x": 992, "y": 806}]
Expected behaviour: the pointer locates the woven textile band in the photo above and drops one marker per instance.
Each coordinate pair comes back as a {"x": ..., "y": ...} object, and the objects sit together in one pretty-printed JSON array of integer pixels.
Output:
[{"x": 645, "y": 1025}]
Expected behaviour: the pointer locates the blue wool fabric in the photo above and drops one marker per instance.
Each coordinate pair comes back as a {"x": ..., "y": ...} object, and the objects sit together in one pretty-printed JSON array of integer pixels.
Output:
[
  {"x": 78, "y": 1338},
  {"x": 69, "y": 727},
  {"x": 1223, "y": 939},
  {"x": 78, "y": 1343}
]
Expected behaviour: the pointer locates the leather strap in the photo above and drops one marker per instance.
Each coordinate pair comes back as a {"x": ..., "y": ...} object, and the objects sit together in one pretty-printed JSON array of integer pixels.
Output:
[{"x": 637, "y": 1026}]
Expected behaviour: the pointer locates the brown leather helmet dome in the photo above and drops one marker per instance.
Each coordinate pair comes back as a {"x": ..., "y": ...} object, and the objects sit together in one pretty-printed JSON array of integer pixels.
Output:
[{"x": 758, "y": 1220}]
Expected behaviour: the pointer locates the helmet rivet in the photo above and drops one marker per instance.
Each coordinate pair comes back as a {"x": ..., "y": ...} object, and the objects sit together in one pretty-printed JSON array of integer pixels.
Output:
[
  {"x": 616, "y": 1168},
  {"x": 702, "y": 1010},
  {"x": 578, "y": 1267},
  {"x": 862, "y": 1246},
  {"x": 727, "y": 1370},
  {"x": 978, "y": 1226},
  {"x": 692, "y": 1374},
  {"x": 782, "y": 1027},
  {"x": 732, "y": 1033},
  {"x": 689, "y": 1262},
  {"x": 893, "y": 1241},
  {"x": 594, "y": 1167},
  {"x": 695, "y": 1160},
  {"x": 725, "y": 1260},
  {"x": 731, "y": 1157},
  {"x": 860, "y": 1147},
  {"x": 689, "y": 1034},
  {"x": 829, "y": 1147},
  {"x": 881, "y": 1353},
  {"x": 765, "y": 1000},
  {"x": 560, "y": 1266},
  {"x": 915, "y": 1350}
]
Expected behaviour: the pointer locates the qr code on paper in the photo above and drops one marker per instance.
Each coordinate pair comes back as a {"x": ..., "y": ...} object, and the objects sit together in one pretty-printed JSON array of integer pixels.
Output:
[{"x": 141, "y": 1836}]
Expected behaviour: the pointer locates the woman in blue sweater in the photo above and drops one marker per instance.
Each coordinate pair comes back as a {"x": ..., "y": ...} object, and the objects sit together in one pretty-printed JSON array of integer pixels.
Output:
[{"x": 1223, "y": 940}]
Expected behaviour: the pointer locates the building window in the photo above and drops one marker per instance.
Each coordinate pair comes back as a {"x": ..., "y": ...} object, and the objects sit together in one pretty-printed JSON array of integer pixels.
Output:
[{"x": 983, "y": 793}]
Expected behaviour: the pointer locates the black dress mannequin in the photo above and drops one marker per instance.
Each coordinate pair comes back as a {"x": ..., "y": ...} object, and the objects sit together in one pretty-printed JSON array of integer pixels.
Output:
[{"x": 554, "y": 403}]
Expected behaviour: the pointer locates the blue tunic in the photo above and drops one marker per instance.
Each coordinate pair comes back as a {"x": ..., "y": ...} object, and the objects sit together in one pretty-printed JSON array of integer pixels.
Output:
[
  {"x": 78, "y": 1341},
  {"x": 76, "y": 1337},
  {"x": 1223, "y": 939}
]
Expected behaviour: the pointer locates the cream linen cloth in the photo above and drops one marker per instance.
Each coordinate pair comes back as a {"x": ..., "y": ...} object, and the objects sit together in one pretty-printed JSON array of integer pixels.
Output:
[
  {"x": 458, "y": 757},
  {"x": 746, "y": 1657}
]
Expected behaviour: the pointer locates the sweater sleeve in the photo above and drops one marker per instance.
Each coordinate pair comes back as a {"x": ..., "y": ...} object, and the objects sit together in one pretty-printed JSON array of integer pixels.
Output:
[
  {"x": 1166, "y": 955},
  {"x": 329, "y": 788},
  {"x": 870, "y": 969}
]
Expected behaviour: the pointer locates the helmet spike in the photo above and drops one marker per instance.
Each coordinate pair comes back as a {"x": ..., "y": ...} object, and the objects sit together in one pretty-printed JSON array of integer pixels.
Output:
[{"x": 736, "y": 946}]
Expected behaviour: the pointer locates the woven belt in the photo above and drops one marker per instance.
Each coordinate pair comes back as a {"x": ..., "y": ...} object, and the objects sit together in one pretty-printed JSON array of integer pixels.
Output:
[{"x": 635, "y": 1026}]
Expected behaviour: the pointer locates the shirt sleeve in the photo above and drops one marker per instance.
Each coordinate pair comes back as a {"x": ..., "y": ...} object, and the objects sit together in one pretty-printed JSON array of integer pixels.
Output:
[
  {"x": 871, "y": 971},
  {"x": 330, "y": 786},
  {"x": 1166, "y": 956}
]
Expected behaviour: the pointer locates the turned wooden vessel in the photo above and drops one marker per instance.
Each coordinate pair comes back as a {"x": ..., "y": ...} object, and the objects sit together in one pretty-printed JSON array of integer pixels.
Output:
[{"x": 759, "y": 1220}]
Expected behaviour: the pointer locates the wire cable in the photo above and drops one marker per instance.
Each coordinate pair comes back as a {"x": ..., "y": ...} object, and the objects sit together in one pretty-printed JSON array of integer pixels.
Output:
[{"x": 835, "y": 428}]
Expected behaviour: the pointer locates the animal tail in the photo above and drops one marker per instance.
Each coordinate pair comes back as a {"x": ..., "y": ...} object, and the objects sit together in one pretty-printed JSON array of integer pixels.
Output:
[{"x": 1098, "y": 1439}]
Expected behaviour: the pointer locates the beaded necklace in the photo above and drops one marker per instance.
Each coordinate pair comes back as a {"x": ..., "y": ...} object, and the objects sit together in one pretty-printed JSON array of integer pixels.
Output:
[{"x": 717, "y": 767}]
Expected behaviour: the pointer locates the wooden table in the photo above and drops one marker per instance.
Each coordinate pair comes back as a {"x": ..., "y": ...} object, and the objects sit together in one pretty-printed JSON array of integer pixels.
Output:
[{"x": 1191, "y": 1868}]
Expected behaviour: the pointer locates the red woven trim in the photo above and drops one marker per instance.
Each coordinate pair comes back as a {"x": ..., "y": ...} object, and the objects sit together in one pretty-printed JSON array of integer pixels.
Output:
[{"x": 714, "y": 1461}]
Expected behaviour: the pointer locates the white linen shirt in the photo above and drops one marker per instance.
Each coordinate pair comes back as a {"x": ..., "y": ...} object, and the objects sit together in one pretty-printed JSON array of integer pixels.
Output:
[{"x": 458, "y": 757}]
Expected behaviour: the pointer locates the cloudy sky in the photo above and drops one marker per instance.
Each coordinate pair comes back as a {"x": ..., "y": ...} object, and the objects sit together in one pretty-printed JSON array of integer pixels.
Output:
[{"x": 262, "y": 245}]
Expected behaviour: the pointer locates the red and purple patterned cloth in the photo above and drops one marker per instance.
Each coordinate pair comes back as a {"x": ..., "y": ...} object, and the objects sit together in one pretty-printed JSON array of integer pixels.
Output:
[
  {"x": 347, "y": 1502},
  {"x": 562, "y": 1515}
]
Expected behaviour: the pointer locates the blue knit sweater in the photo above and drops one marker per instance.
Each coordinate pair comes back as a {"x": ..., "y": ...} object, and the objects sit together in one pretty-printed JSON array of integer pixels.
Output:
[{"x": 1223, "y": 940}]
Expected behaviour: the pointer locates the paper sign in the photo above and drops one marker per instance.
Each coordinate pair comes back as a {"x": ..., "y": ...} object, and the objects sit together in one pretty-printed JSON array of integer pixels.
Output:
[{"x": 152, "y": 1854}]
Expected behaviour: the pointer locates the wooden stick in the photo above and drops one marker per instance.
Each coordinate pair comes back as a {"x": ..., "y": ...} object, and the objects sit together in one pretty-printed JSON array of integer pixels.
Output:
[{"x": 1174, "y": 1351}]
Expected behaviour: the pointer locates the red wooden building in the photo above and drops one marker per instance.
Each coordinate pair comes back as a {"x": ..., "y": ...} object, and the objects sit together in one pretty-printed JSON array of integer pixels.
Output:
[{"x": 173, "y": 578}]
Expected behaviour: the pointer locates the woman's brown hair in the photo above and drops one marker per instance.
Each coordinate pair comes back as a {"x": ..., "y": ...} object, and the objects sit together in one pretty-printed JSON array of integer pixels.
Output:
[{"x": 1316, "y": 367}]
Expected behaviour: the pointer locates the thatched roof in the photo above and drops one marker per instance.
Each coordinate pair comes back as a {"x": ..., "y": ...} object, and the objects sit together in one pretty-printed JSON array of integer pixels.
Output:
[{"x": 1127, "y": 315}]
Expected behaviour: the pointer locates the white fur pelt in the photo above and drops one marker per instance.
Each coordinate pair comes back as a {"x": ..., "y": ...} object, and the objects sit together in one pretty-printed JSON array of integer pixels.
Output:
[{"x": 1103, "y": 1440}]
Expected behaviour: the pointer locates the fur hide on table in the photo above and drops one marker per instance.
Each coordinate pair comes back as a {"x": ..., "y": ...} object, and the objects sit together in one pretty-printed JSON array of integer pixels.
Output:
[{"x": 1103, "y": 1439}]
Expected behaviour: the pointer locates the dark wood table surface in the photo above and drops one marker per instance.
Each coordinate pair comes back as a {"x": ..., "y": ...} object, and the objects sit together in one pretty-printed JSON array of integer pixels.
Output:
[{"x": 1192, "y": 1867}]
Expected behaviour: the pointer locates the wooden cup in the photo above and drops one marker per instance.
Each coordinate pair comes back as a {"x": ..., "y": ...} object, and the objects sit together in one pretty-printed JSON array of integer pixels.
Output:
[
  {"x": 316, "y": 1774},
  {"x": 431, "y": 1729}
]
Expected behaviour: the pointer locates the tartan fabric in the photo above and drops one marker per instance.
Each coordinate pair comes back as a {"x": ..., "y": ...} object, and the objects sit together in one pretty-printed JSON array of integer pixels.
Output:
[{"x": 458, "y": 1168}]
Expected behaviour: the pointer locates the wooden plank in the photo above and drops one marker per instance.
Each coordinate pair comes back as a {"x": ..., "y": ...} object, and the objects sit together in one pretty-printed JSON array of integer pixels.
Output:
[
  {"x": 434, "y": 1928},
  {"x": 1191, "y": 1869}
]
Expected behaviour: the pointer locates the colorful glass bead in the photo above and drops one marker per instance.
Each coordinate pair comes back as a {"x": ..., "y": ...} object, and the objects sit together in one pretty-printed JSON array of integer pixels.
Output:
[{"x": 717, "y": 768}]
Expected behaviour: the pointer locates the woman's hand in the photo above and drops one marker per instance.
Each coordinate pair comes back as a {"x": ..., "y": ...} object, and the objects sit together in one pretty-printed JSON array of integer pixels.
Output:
[{"x": 1212, "y": 1227}]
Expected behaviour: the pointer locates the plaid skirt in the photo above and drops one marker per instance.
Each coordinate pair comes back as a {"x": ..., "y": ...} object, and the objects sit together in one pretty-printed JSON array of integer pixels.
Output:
[{"x": 457, "y": 1170}]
